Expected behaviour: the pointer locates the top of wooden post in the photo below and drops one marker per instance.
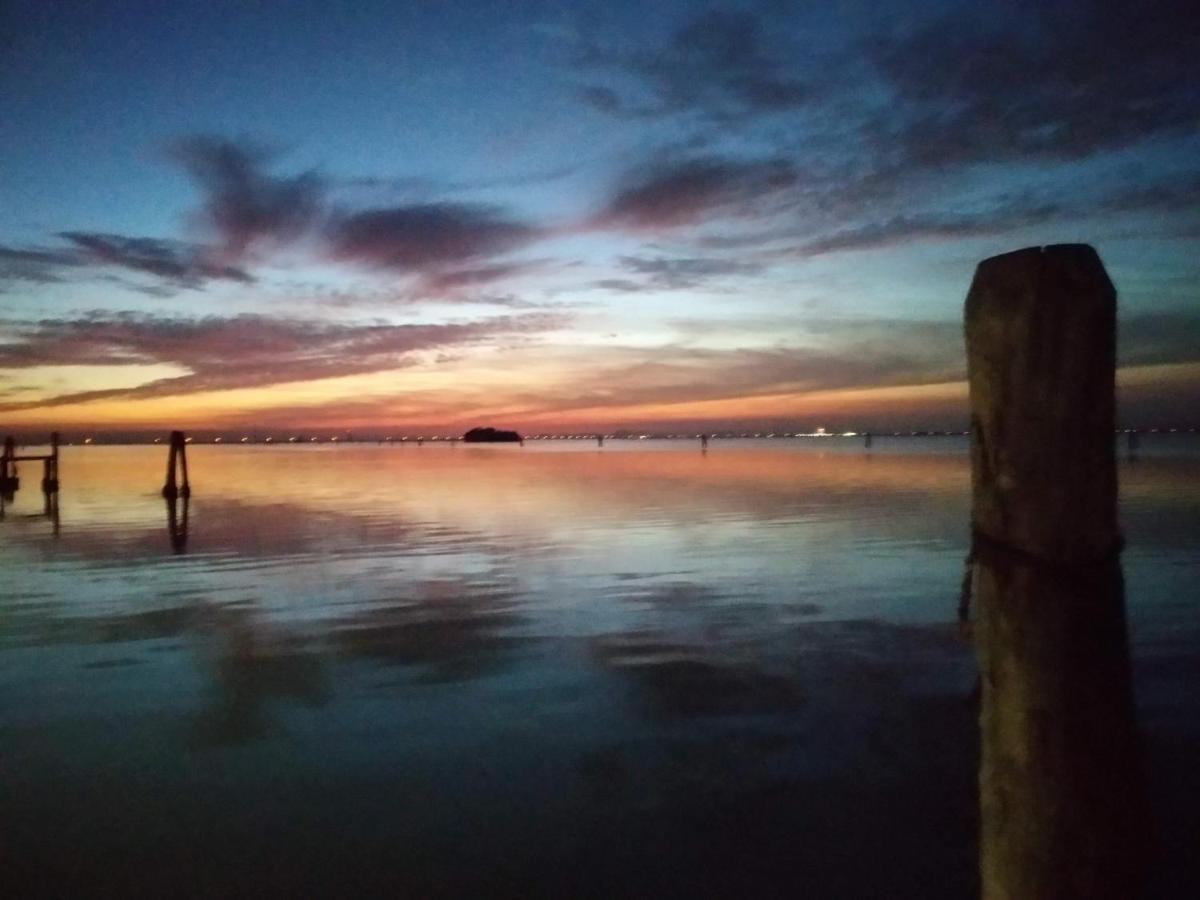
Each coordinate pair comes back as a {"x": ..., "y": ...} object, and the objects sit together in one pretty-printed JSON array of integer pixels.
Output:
[{"x": 1041, "y": 360}]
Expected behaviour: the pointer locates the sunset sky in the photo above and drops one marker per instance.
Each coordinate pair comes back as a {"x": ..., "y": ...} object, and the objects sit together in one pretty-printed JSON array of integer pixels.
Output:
[{"x": 577, "y": 215}]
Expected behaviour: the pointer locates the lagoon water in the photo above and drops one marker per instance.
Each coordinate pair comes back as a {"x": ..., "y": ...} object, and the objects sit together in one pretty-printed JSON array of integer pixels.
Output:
[{"x": 555, "y": 670}]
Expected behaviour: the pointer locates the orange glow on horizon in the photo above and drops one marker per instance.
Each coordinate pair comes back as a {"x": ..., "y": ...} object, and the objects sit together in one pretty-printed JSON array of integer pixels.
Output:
[{"x": 429, "y": 402}]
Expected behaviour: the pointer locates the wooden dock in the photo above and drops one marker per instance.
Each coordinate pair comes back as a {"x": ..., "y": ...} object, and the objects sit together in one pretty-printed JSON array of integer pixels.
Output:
[{"x": 10, "y": 481}]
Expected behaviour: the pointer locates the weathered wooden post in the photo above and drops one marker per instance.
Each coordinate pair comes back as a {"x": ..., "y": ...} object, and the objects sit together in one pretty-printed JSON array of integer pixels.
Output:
[
  {"x": 1062, "y": 798},
  {"x": 50, "y": 469},
  {"x": 9, "y": 482},
  {"x": 177, "y": 460}
]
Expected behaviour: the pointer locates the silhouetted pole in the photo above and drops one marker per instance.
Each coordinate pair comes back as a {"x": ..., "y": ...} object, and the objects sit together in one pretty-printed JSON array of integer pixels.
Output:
[
  {"x": 1062, "y": 799},
  {"x": 8, "y": 470},
  {"x": 867, "y": 440},
  {"x": 599, "y": 440},
  {"x": 177, "y": 462},
  {"x": 50, "y": 469}
]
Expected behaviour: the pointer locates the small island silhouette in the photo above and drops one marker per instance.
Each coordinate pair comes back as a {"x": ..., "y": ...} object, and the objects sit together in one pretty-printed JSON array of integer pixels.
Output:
[{"x": 491, "y": 436}]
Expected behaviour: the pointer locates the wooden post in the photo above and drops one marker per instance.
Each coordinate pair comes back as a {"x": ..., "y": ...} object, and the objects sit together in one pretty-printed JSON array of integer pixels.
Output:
[
  {"x": 1062, "y": 798},
  {"x": 50, "y": 467},
  {"x": 9, "y": 483},
  {"x": 177, "y": 460}
]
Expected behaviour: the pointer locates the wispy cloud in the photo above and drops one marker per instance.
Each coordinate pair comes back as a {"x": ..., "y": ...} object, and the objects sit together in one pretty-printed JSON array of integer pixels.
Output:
[
  {"x": 716, "y": 65},
  {"x": 684, "y": 193},
  {"x": 923, "y": 226},
  {"x": 240, "y": 351},
  {"x": 664, "y": 273},
  {"x": 186, "y": 264},
  {"x": 35, "y": 265},
  {"x": 1041, "y": 80}
]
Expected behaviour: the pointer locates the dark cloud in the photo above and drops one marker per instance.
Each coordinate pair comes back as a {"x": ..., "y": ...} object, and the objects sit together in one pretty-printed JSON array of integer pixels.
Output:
[
  {"x": 240, "y": 351},
  {"x": 621, "y": 285},
  {"x": 449, "y": 281},
  {"x": 39, "y": 266},
  {"x": 1062, "y": 79},
  {"x": 178, "y": 264},
  {"x": 1180, "y": 195},
  {"x": 923, "y": 226},
  {"x": 185, "y": 264},
  {"x": 717, "y": 65},
  {"x": 247, "y": 206},
  {"x": 1159, "y": 338},
  {"x": 1008, "y": 213},
  {"x": 677, "y": 194},
  {"x": 661, "y": 273},
  {"x": 243, "y": 203},
  {"x": 419, "y": 186},
  {"x": 678, "y": 273},
  {"x": 425, "y": 236},
  {"x": 601, "y": 98}
]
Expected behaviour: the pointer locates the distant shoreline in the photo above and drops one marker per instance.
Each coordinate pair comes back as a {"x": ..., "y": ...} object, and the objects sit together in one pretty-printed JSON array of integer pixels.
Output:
[{"x": 209, "y": 439}]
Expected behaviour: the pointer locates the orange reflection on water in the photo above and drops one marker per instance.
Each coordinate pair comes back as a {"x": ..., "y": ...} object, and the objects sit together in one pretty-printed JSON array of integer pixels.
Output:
[{"x": 477, "y": 486}]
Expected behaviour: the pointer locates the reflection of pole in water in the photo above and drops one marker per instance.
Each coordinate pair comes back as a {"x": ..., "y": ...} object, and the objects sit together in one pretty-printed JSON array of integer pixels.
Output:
[
  {"x": 1062, "y": 800},
  {"x": 704, "y": 442},
  {"x": 177, "y": 525},
  {"x": 599, "y": 440},
  {"x": 867, "y": 440}
]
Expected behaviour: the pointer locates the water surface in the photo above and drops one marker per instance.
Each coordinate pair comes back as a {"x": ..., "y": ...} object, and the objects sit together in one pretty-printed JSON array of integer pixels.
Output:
[{"x": 549, "y": 671}]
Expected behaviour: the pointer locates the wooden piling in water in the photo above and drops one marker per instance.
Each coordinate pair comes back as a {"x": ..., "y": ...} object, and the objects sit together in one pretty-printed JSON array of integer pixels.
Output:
[
  {"x": 9, "y": 483},
  {"x": 50, "y": 467},
  {"x": 1062, "y": 797},
  {"x": 177, "y": 468}
]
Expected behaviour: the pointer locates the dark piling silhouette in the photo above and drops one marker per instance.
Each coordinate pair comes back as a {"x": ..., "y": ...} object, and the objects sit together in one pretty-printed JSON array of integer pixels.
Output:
[
  {"x": 10, "y": 481},
  {"x": 867, "y": 440},
  {"x": 1062, "y": 797},
  {"x": 704, "y": 442},
  {"x": 177, "y": 484},
  {"x": 50, "y": 470}
]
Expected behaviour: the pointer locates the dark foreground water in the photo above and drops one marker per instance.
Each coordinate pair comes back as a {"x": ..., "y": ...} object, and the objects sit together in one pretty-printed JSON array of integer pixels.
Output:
[{"x": 552, "y": 671}]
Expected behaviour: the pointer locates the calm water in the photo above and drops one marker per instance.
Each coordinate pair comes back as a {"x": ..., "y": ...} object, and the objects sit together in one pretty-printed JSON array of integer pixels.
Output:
[{"x": 550, "y": 671}]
